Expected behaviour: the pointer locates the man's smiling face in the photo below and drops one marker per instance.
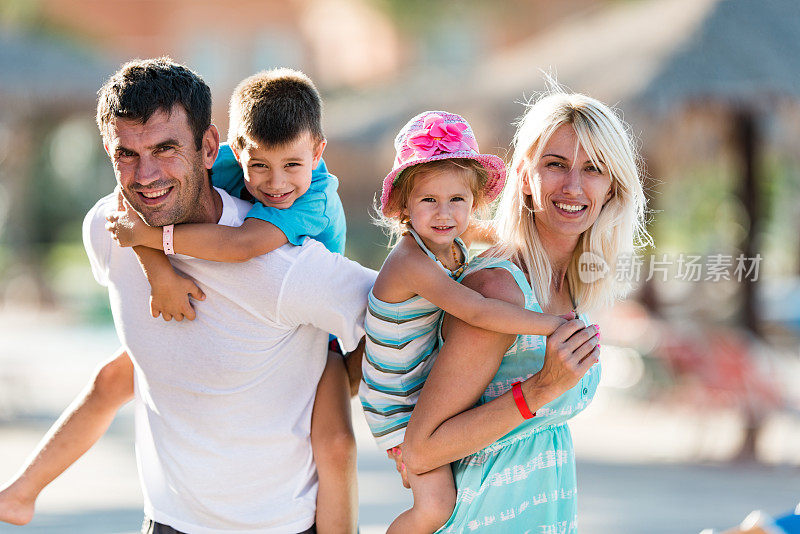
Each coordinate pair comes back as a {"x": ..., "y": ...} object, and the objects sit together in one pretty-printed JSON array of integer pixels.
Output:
[{"x": 158, "y": 167}]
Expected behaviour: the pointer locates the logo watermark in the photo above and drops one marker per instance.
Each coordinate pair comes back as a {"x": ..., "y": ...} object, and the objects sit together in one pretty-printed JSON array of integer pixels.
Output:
[{"x": 592, "y": 268}]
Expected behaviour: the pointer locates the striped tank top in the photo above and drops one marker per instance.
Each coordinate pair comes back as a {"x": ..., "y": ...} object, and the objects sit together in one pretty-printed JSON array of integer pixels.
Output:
[{"x": 402, "y": 342}]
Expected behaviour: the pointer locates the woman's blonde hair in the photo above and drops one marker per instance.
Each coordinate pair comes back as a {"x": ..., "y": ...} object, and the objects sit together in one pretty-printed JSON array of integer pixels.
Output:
[
  {"x": 620, "y": 227},
  {"x": 396, "y": 222}
]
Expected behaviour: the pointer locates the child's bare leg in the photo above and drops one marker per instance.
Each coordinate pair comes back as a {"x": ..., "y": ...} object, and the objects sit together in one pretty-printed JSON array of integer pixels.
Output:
[
  {"x": 434, "y": 500},
  {"x": 334, "y": 447},
  {"x": 78, "y": 428}
]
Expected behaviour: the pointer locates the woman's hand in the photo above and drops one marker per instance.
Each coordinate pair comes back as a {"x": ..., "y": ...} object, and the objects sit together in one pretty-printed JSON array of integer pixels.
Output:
[{"x": 572, "y": 349}]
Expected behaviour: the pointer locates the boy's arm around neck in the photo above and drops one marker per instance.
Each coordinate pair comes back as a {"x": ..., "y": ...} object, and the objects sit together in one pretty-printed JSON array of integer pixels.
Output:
[{"x": 230, "y": 244}]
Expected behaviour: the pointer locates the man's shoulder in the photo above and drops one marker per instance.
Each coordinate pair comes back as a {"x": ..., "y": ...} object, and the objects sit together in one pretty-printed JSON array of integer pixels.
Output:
[
  {"x": 313, "y": 257},
  {"x": 104, "y": 206},
  {"x": 96, "y": 240},
  {"x": 95, "y": 219},
  {"x": 234, "y": 209},
  {"x": 309, "y": 250}
]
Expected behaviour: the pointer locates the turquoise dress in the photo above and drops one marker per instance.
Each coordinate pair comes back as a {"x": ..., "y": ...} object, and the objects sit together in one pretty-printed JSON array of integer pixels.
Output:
[{"x": 524, "y": 481}]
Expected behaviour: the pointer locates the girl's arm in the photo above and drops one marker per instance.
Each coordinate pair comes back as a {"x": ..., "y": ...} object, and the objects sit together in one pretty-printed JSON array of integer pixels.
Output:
[
  {"x": 445, "y": 425},
  {"x": 425, "y": 278}
]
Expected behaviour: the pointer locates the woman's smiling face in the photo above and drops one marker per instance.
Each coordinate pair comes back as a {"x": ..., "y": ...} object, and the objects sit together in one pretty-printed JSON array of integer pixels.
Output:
[{"x": 572, "y": 188}]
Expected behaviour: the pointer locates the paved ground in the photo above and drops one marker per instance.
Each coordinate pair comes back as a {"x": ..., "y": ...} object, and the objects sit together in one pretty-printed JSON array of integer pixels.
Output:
[
  {"x": 643, "y": 469},
  {"x": 100, "y": 494}
]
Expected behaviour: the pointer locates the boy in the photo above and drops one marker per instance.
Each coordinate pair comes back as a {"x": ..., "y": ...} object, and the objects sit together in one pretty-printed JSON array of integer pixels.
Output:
[{"x": 275, "y": 134}]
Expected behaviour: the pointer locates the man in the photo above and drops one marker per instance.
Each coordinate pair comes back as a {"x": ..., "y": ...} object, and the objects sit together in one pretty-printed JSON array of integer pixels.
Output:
[{"x": 223, "y": 403}]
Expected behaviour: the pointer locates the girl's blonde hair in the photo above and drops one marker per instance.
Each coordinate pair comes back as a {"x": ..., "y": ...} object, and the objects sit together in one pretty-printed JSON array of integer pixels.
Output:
[
  {"x": 620, "y": 227},
  {"x": 396, "y": 222}
]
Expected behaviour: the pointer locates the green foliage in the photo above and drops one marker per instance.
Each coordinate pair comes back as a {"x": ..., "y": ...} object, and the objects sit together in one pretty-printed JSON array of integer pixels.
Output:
[
  {"x": 700, "y": 213},
  {"x": 16, "y": 13},
  {"x": 421, "y": 16}
]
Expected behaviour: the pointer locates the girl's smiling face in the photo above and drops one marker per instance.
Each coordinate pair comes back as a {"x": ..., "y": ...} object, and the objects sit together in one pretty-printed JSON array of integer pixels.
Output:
[
  {"x": 439, "y": 208},
  {"x": 572, "y": 189}
]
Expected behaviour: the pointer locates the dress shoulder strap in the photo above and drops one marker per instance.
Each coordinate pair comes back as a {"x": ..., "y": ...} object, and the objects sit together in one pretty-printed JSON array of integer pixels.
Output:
[
  {"x": 421, "y": 244},
  {"x": 483, "y": 262},
  {"x": 458, "y": 274}
]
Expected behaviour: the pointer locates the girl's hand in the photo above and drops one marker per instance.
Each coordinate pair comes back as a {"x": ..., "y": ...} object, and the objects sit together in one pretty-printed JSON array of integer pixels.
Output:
[
  {"x": 571, "y": 351},
  {"x": 171, "y": 299},
  {"x": 396, "y": 454}
]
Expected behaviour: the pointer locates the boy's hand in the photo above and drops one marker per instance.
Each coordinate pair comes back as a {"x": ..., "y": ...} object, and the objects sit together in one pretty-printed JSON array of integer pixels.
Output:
[
  {"x": 127, "y": 227},
  {"x": 171, "y": 298}
]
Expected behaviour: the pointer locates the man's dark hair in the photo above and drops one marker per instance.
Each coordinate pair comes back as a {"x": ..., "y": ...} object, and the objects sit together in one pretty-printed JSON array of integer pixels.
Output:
[
  {"x": 274, "y": 107},
  {"x": 143, "y": 86}
]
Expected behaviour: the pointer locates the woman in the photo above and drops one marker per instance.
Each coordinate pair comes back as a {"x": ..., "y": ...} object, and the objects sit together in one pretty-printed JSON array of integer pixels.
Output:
[{"x": 573, "y": 188}]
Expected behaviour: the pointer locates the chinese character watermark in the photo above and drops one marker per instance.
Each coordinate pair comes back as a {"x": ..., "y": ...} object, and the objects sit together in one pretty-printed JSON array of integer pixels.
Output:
[{"x": 684, "y": 267}]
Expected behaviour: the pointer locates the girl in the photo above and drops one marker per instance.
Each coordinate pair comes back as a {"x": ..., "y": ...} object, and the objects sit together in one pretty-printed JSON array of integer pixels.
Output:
[{"x": 438, "y": 181}]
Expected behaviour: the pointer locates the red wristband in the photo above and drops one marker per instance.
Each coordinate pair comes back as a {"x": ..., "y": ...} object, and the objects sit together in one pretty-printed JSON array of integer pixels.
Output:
[
  {"x": 519, "y": 398},
  {"x": 167, "y": 239}
]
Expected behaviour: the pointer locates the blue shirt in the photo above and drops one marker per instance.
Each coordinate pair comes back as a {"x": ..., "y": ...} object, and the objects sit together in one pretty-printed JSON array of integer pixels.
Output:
[{"x": 317, "y": 213}]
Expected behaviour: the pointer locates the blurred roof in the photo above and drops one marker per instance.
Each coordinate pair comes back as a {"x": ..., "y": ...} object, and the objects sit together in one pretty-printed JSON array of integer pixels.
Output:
[
  {"x": 648, "y": 55},
  {"x": 661, "y": 52},
  {"x": 742, "y": 50},
  {"x": 42, "y": 70}
]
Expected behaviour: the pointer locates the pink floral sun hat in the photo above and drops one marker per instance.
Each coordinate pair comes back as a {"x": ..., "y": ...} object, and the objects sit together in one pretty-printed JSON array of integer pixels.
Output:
[{"x": 435, "y": 135}]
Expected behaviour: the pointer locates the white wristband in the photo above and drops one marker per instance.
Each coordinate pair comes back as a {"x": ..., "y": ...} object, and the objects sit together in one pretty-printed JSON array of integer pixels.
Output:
[{"x": 167, "y": 239}]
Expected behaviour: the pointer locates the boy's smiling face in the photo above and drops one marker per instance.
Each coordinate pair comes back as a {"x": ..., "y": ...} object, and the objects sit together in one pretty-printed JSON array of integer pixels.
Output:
[{"x": 276, "y": 176}]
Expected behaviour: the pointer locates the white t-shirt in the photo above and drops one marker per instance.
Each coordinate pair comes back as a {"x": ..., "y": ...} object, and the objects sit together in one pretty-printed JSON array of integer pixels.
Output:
[{"x": 223, "y": 403}]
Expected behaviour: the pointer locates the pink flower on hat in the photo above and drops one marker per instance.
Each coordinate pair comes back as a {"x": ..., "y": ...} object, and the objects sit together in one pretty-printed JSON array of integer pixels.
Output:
[{"x": 436, "y": 137}]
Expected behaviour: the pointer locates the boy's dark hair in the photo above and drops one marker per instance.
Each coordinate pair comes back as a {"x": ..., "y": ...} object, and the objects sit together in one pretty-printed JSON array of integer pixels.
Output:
[
  {"x": 272, "y": 108},
  {"x": 143, "y": 86}
]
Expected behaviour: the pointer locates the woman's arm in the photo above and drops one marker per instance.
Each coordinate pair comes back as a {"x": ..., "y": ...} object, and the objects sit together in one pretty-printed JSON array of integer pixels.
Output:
[
  {"x": 444, "y": 425},
  {"x": 425, "y": 278}
]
